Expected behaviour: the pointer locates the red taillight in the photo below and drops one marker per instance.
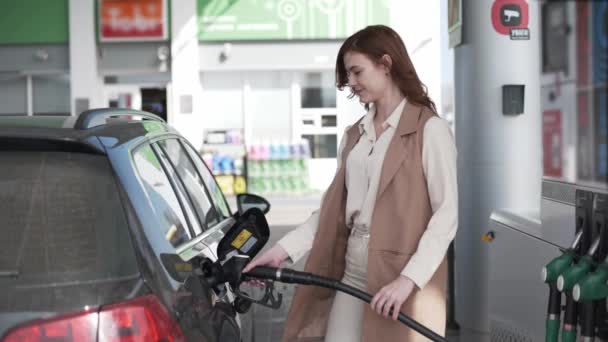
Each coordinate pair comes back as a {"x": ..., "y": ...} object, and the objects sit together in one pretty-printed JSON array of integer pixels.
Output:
[
  {"x": 81, "y": 326},
  {"x": 141, "y": 319}
]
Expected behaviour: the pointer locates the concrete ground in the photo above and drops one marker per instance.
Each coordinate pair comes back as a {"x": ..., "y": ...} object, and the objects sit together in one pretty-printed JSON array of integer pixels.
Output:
[{"x": 285, "y": 214}]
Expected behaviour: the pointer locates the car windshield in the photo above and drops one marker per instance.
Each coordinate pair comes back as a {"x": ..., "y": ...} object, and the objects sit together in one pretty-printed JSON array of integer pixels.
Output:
[{"x": 64, "y": 239}]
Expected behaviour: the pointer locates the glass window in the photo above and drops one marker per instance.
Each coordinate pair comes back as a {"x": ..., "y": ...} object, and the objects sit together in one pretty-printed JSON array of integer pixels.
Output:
[
  {"x": 13, "y": 95},
  {"x": 318, "y": 90},
  {"x": 192, "y": 182},
  {"x": 555, "y": 37},
  {"x": 61, "y": 214},
  {"x": 51, "y": 94},
  {"x": 162, "y": 196},
  {"x": 322, "y": 145},
  {"x": 329, "y": 120},
  {"x": 214, "y": 190}
]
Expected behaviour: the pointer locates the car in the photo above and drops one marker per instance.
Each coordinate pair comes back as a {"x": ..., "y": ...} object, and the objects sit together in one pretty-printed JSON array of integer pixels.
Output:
[{"x": 94, "y": 209}]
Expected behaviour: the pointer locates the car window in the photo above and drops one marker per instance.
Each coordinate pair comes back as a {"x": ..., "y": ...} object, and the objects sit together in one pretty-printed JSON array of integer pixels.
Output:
[
  {"x": 65, "y": 239},
  {"x": 179, "y": 188},
  {"x": 164, "y": 201},
  {"x": 193, "y": 183},
  {"x": 214, "y": 190}
]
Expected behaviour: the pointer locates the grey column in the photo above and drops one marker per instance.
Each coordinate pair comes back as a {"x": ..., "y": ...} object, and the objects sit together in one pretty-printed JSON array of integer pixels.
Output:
[{"x": 499, "y": 157}]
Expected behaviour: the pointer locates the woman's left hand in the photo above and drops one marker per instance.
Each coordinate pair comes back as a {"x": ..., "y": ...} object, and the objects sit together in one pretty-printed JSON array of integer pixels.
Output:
[{"x": 392, "y": 296}]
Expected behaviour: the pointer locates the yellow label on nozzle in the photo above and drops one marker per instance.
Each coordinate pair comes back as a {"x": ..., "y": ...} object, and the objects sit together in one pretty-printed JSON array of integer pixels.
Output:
[{"x": 240, "y": 240}]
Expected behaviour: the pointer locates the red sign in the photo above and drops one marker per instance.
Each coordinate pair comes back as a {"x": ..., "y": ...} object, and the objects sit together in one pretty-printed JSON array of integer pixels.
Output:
[
  {"x": 508, "y": 15},
  {"x": 552, "y": 143},
  {"x": 132, "y": 20}
]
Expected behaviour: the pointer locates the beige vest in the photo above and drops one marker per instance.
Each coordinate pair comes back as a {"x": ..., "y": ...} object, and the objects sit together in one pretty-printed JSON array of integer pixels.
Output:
[{"x": 401, "y": 215}]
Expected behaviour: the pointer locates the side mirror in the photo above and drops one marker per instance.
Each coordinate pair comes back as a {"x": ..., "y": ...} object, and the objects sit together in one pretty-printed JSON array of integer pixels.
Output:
[{"x": 248, "y": 201}]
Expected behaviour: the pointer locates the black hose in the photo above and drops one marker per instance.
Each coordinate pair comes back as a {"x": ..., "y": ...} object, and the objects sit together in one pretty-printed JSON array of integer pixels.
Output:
[
  {"x": 571, "y": 311},
  {"x": 554, "y": 306},
  {"x": 286, "y": 275},
  {"x": 588, "y": 319}
]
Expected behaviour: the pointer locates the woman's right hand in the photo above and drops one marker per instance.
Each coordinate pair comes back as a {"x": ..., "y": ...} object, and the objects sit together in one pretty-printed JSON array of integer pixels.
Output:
[{"x": 273, "y": 257}]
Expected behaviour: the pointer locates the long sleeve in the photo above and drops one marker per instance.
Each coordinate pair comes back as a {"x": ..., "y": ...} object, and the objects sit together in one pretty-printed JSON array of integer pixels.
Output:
[
  {"x": 299, "y": 241},
  {"x": 439, "y": 164}
]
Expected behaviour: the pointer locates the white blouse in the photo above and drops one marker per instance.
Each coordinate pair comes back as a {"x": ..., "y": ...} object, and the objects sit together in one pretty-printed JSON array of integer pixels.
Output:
[{"x": 363, "y": 169}]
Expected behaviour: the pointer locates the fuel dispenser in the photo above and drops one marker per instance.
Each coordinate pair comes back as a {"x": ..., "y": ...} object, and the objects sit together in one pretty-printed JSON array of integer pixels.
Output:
[
  {"x": 578, "y": 274},
  {"x": 584, "y": 200},
  {"x": 566, "y": 282},
  {"x": 592, "y": 290},
  {"x": 552, "y": 274}
]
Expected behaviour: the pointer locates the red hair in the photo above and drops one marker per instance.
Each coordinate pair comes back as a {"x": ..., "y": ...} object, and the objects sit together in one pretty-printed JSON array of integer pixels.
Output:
[{"x": 375, "y": 42}]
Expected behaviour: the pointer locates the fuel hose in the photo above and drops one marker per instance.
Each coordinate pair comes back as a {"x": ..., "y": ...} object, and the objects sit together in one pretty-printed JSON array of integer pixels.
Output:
[{"x": 289, "y": 276}]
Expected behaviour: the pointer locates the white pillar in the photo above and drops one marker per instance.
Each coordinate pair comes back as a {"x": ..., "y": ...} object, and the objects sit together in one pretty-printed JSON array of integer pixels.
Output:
[
  {"x": 499, "y": 157},
  {"x": 86, "y": 85},
  {"x": 185, "y": 112}
]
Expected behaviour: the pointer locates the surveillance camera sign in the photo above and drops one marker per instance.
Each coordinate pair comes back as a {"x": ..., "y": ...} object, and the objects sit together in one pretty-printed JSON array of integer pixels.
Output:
[{"x": 510, "y": 17}]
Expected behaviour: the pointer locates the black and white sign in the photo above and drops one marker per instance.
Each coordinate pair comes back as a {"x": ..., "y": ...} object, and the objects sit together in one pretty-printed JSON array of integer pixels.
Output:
[{"x": 520, "y": 34}]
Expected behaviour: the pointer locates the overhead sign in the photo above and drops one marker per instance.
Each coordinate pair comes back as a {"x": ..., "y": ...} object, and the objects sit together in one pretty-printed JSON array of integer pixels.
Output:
[
  {"x": 511, "y": 17},
  {"x": 226, "y": 20},
  {"x": 132, "y": 20},
  {"x": 34, "y": 22}
]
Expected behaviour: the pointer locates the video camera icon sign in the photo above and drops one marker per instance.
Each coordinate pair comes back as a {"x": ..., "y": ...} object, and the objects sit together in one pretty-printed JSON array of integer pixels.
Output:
[{"x": 509, "y": 14}]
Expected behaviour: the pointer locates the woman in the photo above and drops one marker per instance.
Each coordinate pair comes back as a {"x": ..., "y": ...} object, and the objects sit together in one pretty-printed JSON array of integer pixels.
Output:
[{"x": 388, "y": 217}]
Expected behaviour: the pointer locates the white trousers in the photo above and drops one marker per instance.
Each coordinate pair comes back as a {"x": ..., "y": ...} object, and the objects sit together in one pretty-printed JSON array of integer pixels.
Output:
[{"x": 345, "y": 317}]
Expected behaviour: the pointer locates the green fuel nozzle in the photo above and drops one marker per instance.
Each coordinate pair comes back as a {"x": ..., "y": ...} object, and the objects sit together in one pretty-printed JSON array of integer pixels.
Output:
[
  {"x": 559, "y": 265},
  {"x": 574, "y": 274},
  {"x": 550, "y": 273},
  {"x": 593, "y": 286}
]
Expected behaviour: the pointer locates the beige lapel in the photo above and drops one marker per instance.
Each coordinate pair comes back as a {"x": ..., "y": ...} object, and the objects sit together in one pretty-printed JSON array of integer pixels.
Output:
[{"x": 396, "y": 153}]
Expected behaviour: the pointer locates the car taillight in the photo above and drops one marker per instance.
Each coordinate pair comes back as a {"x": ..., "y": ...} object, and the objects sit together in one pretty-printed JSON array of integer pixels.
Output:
[
  {"x": 81, "y": 326},
  {"x": 141, "y": 319}
]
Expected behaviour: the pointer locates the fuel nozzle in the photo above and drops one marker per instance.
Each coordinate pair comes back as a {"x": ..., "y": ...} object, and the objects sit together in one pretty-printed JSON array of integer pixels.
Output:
[
  {"x": 550, "y": 273},
  {"x": 230, "y": 270},
  {"x": 559, "y": 265},
  {"x": 227, "y": 271},
  {"x": 567, "y": 280},
  {"x": 593, "y": 286}
]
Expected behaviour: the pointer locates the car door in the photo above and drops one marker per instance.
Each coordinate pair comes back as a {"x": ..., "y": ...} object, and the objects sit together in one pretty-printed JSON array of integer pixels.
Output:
[
  {"x": 209, "y": 211},
  {"x": 217, "y": 197},
  {"x": 175, "y": 212}
]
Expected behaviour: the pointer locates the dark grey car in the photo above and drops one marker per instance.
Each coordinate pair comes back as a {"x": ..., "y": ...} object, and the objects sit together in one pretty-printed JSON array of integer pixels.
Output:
[{"x": 92, "y": 208}]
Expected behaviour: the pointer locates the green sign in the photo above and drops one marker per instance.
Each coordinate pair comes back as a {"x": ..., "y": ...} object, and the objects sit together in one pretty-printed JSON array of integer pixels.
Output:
[
  {"x": 34, "y": 21},
  {"x": 225, "y": 20}
]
